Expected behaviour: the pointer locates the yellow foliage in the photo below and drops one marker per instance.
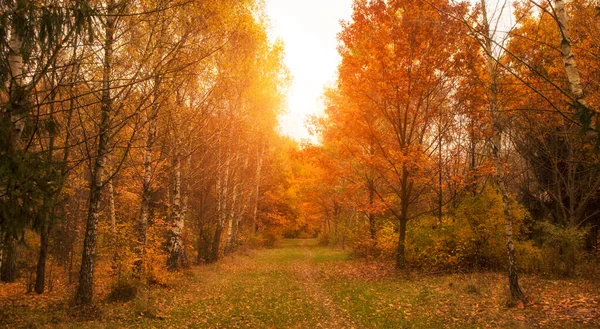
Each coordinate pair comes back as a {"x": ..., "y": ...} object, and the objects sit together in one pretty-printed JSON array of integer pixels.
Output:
[{"x": 473, "y": 238}]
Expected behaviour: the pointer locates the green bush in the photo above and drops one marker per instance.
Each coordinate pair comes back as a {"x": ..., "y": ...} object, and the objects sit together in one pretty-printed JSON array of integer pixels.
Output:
[
  {"x": 562, "y": 248},
  {"x": 383, "y": 246},
  {"x": 472, "y": 239}
]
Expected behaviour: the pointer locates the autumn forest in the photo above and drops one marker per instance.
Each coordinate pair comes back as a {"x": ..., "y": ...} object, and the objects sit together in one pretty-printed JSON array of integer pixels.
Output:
[{"x": 453, "y": 178}]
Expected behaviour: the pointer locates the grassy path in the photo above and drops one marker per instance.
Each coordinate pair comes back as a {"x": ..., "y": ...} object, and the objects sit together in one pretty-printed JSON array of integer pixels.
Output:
[{"x": 302, "y": 285}]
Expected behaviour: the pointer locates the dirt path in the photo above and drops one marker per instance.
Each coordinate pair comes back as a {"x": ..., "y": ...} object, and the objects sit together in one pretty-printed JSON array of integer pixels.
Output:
[{"x": 305, "y": 269}]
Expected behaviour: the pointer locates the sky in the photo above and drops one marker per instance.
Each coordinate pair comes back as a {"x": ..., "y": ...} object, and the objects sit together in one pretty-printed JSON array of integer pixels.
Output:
[{"x": 309, "y": 30}]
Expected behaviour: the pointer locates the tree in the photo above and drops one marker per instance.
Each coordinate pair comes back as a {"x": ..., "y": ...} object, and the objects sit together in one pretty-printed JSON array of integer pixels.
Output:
[
  {"x": 395, "y": 76},
  {"x": 34, "y": 36},
  {"x": 498, "y": 124}
]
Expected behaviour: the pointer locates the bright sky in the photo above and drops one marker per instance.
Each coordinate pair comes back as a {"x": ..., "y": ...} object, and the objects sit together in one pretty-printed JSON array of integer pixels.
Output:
[{"x": 309, "y": 30}]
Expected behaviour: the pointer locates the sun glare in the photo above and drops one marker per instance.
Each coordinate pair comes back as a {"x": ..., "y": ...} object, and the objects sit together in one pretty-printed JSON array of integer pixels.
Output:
[{"x": 309, "y": 29}]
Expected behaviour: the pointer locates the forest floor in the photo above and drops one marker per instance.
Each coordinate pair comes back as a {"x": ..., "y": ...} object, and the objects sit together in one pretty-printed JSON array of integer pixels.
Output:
[{"x": 302, "y": 285}]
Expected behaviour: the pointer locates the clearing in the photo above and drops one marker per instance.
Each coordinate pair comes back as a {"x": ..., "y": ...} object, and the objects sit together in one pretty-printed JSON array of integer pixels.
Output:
[{"x": 302, "y": 285}]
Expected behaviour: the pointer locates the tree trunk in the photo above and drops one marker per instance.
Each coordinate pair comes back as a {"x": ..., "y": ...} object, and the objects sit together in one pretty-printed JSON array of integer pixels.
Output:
[
  {"x": 18, "y": 111},
  {"x": 175, "y": 258},
  {"x": 202, "y": 246},
  {"x": 371, "y": 215},
  {"x": 406, "y": 190},
  {"x": 570, "y": 66},
  {"x": 15, "y": 115},
  {"x": 440, "y": 174},
  {"x": 401, "y": 255},
  {"x": 8, "y": 272},
  {"x": 142, "y": 226},
  {"x": 40, "y": 278},
  {"x": 216, "y": 242},
  {"x": 231, "y": 221},
  {"x": 85, "y": 289},
  {"x": 513, "y": 278},
  {"x": 260, "y": 152},
  {"x": 47, "y": 215},
  {"x": 219, "y": 229}
]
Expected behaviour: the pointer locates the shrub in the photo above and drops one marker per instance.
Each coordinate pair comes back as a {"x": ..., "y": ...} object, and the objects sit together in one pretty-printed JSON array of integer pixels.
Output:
[
  {"x": 323, "y": 239},
  {"x": 529, "y": 257},
  {"x": 472, "y": 239},
  {"x": 123, "y": 290},
  {"x": 270, "y": 239},
  {"x": 383, "y": 246},
  {"x": 562, "y": 248}
]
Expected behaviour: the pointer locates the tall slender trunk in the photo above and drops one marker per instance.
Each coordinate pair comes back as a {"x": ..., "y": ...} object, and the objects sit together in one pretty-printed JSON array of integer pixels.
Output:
[
  {"x": 569, "y": 64},
  {"x": 85, "y": 289},
  {"x": 223, "y": 181},
  {"x": 142, "y": 226},
  {"x": 15, "y": 115},
  {"x": 40, "y": 277},
  {"x": 151, "y": 133},
  {"x": 219, "y": 229},
  {"x": 216, "y": 242},
  {"x": 260, "y": 152},
  {"x": 202, "y": 243},
  {"x": 15, "y": 85},
  {"x": 47, "y": 219},
  {"x": 176, "y": 258},
  {"x": 231, "y": 220},
  {"x": 371, "y": 215},
  {"x": 47, "y": 215},
  {"x": 513, "y": 277},
  {"x": 440, "y": 166},
  {"x": 8, "y": 271},
  {"x": 243, "y": 204},
  {"x": 406, "y": 190}
]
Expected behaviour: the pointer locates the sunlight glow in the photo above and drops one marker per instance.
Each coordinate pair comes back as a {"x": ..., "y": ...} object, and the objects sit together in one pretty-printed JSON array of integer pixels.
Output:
[{"x": 309, "y": 30}]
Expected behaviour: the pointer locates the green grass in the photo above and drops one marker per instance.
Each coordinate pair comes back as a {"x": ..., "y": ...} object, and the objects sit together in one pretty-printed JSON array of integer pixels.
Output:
[{"x": 302, "y": 285}]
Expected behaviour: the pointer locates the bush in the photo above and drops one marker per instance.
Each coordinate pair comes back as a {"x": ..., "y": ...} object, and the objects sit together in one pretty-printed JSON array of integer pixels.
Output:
[
  {"x": 562, "y": 248},
  {"x": 323, "y": 239},
  {"x": 473, "y": 239},
  {"x": 270, "y": 239},
  {"x": 383, "y": 246},
  {"x": 123, "y": 291},
  {"x": 266, "y": 239},
  {"x": 529, "y": 257}
]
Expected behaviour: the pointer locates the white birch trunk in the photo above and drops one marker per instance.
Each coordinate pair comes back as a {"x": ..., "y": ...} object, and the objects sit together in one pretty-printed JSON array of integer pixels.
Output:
[
  {"x": 176, "y": 258},
  {"x": 243, "y": 204},
  {"x": 175, "y": 249},
  {"x": 217, "y": 236},
  {"x": 15, "y": 86},
  {"x": 86, "y": 275},
  {"x": 513, "y": 277},
  {"x": 231, "y": 218},
  {"x": 142, "y": 226},
  {"x": 570, "y": 66},
  {"x": 260, "y": 152}
]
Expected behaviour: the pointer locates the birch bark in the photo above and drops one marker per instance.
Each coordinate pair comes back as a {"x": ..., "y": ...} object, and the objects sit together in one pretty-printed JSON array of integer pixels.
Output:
[
  {"x": 86, "y": 275},
  {"x": 569, "y": 64},
  {"x": 513, "y": 277}
]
